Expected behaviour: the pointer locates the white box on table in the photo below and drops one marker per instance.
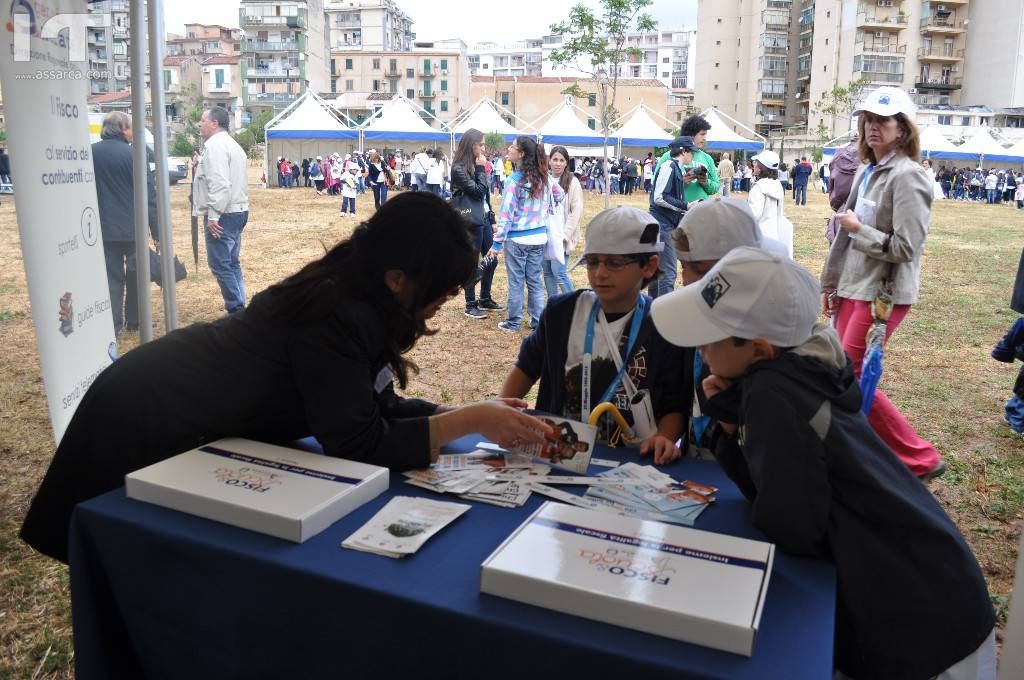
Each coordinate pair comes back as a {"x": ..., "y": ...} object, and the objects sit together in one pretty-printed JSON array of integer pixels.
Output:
[
  {"x": 696, "y": 586},
  {"x": 271, "y": 489}
]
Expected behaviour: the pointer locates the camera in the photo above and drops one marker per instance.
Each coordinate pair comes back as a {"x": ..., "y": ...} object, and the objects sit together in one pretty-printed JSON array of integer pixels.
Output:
[{"x": 700, "y": 171}]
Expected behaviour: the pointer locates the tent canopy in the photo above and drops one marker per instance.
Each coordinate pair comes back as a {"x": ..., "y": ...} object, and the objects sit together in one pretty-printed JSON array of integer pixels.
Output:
[
  {"x": 1017, "y": 152},
  {"x": 399, "y": 119},
  {"x": 721, "y": 136},
  {"x": 641, "y": 130},
  {"x": 485, "y": 117},
  {"x": 309, "y": 120},
  {"x": 563, "y": 127},
  {"x": 983, "y": 144},
  {"x": 935, "y": 146}
]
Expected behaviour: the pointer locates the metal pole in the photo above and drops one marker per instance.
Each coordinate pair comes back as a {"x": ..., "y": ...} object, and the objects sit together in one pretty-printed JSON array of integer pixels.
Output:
[
  {"x": 141, "y": 165},
  {"x": 603, "y": 84},
  {"x": 163, "y": 200}
]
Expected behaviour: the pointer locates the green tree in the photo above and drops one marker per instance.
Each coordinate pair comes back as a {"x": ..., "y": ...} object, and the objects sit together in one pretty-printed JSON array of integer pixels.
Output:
[
  {"x": 182, "y": 147},
  {"x": 246, "y": 139},
  {"x": 837, "y": 104},
  {"x": 259, "y": 125},
  {"x": 494, "y": 141},
  {"x": 595, "y": 43}
]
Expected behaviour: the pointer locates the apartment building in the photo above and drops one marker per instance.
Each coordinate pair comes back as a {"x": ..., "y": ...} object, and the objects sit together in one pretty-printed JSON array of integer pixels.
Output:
[
  {"x": 221, "y": 84},
  {"x": 204, "y": 39},
  {"x": 107, "y": 47},
  {"x": 530, "y": 97},
  {"x": 284, "y": 52},
  {"x": 517, "y": 58},
  {"x": 434, "y": 76},
  {"x": 368, "y": 25}
]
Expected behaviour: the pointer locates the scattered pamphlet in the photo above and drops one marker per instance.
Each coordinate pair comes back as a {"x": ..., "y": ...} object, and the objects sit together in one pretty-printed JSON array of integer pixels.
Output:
[
  {"x": 499, "y": 480},
  {"x": 601, "y": 462},
  {"x": 647, "y": 493},
  {"x": 570, "y": 448},
  {"x": 402, "y": 526},
  {"x": 476, "y": 460}
]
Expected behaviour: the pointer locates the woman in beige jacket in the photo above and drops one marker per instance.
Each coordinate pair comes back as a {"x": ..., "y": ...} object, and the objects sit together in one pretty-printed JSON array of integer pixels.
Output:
[
  {"x": 883, "y": 227},
  {"x": 556, "y": 274}
]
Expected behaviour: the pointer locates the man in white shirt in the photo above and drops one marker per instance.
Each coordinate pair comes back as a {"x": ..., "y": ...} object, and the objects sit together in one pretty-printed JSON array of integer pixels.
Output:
[
  {"x": 420, "y": 163},
  {"x": 222, "y": 195}
]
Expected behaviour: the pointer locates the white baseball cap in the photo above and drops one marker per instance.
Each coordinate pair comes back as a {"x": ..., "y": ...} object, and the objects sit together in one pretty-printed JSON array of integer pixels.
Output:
[
  {"x": 887, "y": 101},
  {"x": 751, "y": 293},
  {"x": 622, "y": 231},
  {"x": 715, "y": 226},
  {"x": 768, "y": 159}
]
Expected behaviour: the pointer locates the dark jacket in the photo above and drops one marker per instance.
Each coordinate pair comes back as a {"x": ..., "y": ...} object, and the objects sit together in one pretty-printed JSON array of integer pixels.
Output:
[
  {"x": 841, "y": 171},
  {"x": 666, "y": 369},
  {"x": 113, "y": 166},
  {"x": 5, "y": 163},
  {"x": 244, "y": 376},
  {"x": 473, "y": 187},
  {"x": 1017, "y": 300},
  {"x": 667, "y": 203},
  {"x": 801, "y": 172},
  {"x": 911, "y": 598}
]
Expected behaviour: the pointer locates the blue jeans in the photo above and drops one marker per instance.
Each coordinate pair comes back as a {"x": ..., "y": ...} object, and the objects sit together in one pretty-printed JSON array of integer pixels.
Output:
[
  {"x": 615, "y": 185},
  {"x": 348, "y": 204},
  {"x": 1015, "y": 414},
  {"x": 222, "y": 256},
  {"x": 523, "y": 265},
  {"x": 421, "y": 182},
  {"x": 556, "y": 275},
  {"x": 481, "y": 237},
  {"x": 360, "y": 185},
  {"x": 667, "y": 264},
  {"x": 380, "y": 194},
  {"x": 800, "y": 194},
  {"x": 992, "y": 193}
]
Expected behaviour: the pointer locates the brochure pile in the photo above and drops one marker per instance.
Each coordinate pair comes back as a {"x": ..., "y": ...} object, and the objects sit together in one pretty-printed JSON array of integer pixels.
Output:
[
  {"x": 644, "y": 492},
  {"x": 493, "y": 477},
  {"x": 403, "y": 525}
]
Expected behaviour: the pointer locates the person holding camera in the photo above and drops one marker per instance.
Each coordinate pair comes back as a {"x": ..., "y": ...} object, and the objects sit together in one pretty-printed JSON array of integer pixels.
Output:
[
  {"x": 706, "y": 184},
  {"x": 668, "y": 205}
]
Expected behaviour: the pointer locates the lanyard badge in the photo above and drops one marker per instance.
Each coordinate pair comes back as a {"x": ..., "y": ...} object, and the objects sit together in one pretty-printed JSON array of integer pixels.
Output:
[{"x": 588, "y": 352}]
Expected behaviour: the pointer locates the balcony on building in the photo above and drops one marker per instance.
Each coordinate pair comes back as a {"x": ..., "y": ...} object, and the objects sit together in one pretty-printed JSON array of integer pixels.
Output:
[
  {"x": 868, "y": 17},
  {"x": 777, "y": 97},
  {"x": 99, "y": 56},
  {"x": 775, "y": 20},
  {"x": 770, "y": 119},
  {"x": 943, "y": 25},
  {"x": 802, "y": 96},
  {"x": 879, "y": 77},
  {"x": 254, "y": 46},
  {"x": 941, "y": 83},
  {"x": 247, "y": 20},
  {"x": 941, "y": 54},
  {"x": 425, "y": 72},
  {"x": 428, "y": 94},
  {"x": 883, "y": 47},
  {"x": 394, "y": 72},
  {"x": 274, "y": 70}
]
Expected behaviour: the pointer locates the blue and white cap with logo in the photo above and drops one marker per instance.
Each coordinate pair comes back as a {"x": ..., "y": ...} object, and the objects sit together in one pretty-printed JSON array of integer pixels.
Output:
[
  {"x": 887, "y": 101},
  {"x": 751, "y": 293}
]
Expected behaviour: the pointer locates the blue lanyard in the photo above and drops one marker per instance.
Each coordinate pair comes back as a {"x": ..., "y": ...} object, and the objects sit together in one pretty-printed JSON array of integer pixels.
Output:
[
  {"x": 588, "y": 351},
  {"x": 868, "y": 171}
]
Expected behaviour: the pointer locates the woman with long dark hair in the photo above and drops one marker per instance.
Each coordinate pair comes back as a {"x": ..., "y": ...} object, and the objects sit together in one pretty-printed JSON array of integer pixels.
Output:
[
  {"x": 316, "y": 354},
  {"x": 471, "y": 197},
  {"x": 556, "y": 274},
  {"x": 376, "y": 175},
  {"x": 522, "y": 231}
]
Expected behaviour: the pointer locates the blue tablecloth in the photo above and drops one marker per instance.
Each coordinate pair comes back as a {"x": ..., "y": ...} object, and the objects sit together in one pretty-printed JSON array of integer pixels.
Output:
[{"x": 161, "y": 594}]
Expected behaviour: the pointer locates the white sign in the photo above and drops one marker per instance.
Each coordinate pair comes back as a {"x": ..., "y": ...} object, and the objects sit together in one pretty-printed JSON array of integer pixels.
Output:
[{"x": 55, "y": 195}]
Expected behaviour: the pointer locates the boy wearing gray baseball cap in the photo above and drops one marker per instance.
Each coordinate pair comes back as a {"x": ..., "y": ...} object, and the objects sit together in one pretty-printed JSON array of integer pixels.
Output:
[
  {"x": 600, "y": 345},
  {"x": 912, "y": 601}
]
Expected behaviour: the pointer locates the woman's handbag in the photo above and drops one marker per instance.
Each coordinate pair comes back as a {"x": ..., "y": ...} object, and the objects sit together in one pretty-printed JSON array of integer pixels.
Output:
[
  {"x": 472, "y": 210},
  {"x": 156, "y": 272}
]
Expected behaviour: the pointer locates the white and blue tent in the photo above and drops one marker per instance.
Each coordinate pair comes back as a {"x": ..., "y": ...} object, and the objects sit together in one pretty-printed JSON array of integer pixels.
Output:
[
  {"x": 306, "y": 129},
  {"x": 935, "y": 146},
  {"x": 640, "y": 130},
  {"x": 401, "y": 120},
  {"x": 562, "y": 126},
  {"x": 984, "y": 148},
  {"x": 721, "y": 137},
  {"x": 487, "y": 116}
]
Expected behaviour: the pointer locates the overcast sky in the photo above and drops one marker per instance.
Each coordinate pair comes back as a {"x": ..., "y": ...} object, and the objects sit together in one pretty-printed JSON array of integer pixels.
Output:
[{"x": 471, "y": 20}]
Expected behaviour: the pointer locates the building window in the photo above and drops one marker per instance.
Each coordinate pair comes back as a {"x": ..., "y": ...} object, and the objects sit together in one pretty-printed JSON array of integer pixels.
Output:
[
  {"x": 444, "y": 86},
  {"x": 591, "y": 123},
  {"x": 504, "y": 98},
  {"x": 664, "y": 74},
  {"x": 444, "y": 67},
  {"x": 965, "y": 120},
  {"x": 718, "y": 42},
  {"x": 393, "y": 86},
  {"x": 377, "y": 86},
  {"x": 333, "y": 73},
  {"x": 592, "y": 100},
  {"x": 716, "y": 86},
  {"x": 349, "y": 85},
  {"x": 716, "y": 64},
  {"x": 219, "y": 78},
  {"x": 348, "y": 64},
  {"x": 167, "y": 79},
  {"x": 444, "y": 105},
  {"x": 664, "y": 60},
  {"x": 945, "y": 120},
  {"x": 409, "y": 94},
  {"x": 409, "y": 73},
  {"x": 334, "y": 86},
  {"x": 376, "y": 64}
]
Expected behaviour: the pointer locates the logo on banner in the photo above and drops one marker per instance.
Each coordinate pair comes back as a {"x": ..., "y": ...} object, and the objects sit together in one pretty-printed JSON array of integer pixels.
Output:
[
  {"x": 66, "y": 30},
  {"x": 66, "y": 315},
  {"x": 630, "y": 564}
]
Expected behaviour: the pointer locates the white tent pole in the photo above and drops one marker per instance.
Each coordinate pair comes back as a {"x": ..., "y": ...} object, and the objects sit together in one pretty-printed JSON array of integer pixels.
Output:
[
  {"x": 141, "y": 165},
  {"x": 155, "y": 8},
  {"x": 725, "y": 115}
]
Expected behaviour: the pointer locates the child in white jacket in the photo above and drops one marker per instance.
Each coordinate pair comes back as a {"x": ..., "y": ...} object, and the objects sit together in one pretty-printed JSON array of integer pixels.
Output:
[{"x": 766, "y": 198}]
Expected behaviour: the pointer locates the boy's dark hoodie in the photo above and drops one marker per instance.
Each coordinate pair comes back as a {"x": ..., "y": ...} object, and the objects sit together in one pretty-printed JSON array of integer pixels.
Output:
[{"x": 912, "y": 600}]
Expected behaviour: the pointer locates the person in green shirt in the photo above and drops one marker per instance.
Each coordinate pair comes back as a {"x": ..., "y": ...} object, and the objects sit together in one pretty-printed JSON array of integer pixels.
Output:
[{"x": 704, "y": 186}]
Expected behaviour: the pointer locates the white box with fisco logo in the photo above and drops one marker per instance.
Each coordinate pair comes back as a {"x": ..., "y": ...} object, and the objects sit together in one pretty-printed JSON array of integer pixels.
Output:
[
  {"x": 270, "y": 489},
  {"x": 695, "y": 586}
]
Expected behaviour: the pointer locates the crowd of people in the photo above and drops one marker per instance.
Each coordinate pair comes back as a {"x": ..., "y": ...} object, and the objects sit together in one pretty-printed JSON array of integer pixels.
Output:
[{"x": 992, "y": 186}]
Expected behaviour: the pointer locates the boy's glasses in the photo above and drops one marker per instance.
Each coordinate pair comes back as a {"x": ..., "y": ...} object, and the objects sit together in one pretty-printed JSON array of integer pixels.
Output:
[{"x": 612, "y": 264}]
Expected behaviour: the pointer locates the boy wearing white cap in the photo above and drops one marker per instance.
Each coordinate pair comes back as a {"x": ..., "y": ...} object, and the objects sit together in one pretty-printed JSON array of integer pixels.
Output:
[
  {"x": 600, "y": 345},
  {"x": 912, "y": 601}
]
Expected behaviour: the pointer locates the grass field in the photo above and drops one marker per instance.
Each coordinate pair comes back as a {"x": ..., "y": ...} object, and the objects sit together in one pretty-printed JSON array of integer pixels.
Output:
[{"x": 938, "y": 371}]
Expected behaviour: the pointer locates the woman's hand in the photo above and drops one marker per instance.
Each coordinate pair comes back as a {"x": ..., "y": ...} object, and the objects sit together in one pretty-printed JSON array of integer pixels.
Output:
[
  {"x": 492, "y": 253},
  {"x": 828, "y": 303},
  {"x": 848, "y": 221},
  {"x": 504, "y": 423},
  {"x": 664, "y": 449},
  {"x": 481, "y": 160}
]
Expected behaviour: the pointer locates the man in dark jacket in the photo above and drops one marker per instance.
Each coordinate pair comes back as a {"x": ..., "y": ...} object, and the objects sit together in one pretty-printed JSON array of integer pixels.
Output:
[
  {"x": 802, "y": 171},
  {"x": 113, "y": 165},
  {"x": 5, "y": 172},
  {"x": 911, "y": 599},
  {"x": 668, "y": 206}
]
